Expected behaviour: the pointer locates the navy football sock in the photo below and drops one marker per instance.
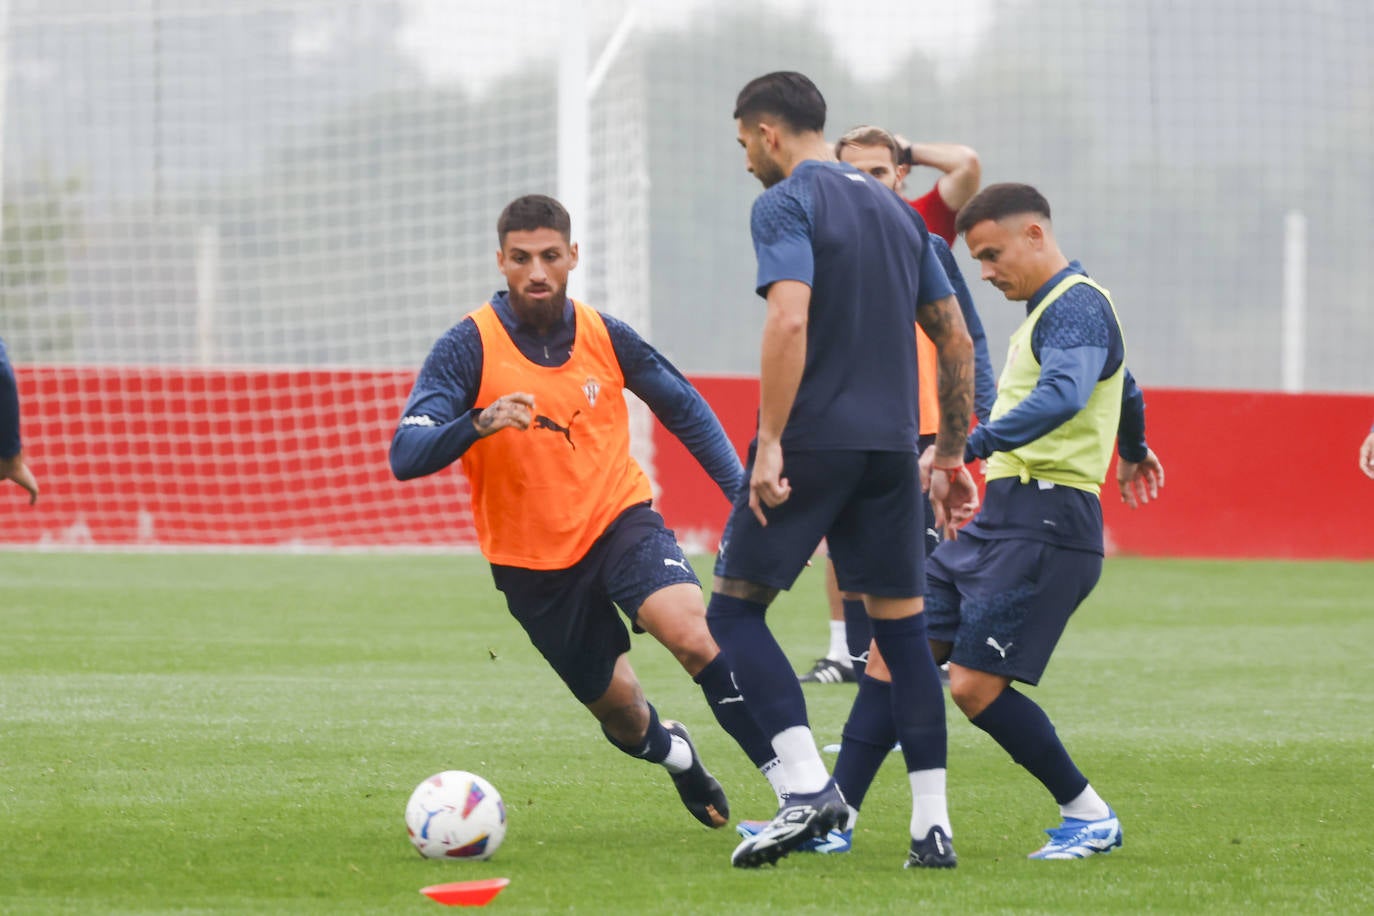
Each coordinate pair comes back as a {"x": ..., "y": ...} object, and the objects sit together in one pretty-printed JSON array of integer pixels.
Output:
[
  {"x": 1026, "y": 733},
  {"x": 868, "y": 738},
  {"x": 761, "y": 669},
  {"x": 656, "y": 744},
  {"x": 918, "y": 700},
  {"x": 730, "y": 711},
  {"x": 857, "y": 634}
]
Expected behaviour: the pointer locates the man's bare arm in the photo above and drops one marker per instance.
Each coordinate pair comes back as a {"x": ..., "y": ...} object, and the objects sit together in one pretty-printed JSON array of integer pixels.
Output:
[
  {"x": 943, "y": 323},
  {"x": 962, "y": 170}
]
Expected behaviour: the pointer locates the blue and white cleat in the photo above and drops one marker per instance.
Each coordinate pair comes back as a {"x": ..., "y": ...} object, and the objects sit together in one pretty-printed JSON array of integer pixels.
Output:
[
  {"x": 1078, "y": 839},
  {"x": 801, "y": 817},
  {"x": 836, "y": 840}
]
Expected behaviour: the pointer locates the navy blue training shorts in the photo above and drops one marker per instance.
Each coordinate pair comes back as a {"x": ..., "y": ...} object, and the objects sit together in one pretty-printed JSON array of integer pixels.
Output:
[
  {"x": 867, "y": 506},
  {"x": 570, "y": 614},
  {"x": 1004, "y": 603}
]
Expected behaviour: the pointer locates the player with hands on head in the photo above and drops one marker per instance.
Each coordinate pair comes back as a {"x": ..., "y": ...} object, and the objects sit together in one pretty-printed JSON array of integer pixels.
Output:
[
  {"x": 12, "y": 466},
  {"x": 846, "y": 269},
  {"x": 889, "y": 159},
  {"x": 526, "y": 392},
  {"x": 961, "y": 173}
]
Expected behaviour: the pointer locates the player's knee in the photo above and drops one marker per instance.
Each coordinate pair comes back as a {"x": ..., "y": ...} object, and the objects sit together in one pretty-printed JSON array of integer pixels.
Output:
[
  {"x": 969, "y": 703},
  {"x": 972, "y": 694},
  {"x": 695, "y": 651}
]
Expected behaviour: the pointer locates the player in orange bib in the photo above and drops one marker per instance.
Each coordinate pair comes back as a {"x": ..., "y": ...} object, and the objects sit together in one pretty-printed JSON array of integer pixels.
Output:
[{"x": 527, "y": 392}]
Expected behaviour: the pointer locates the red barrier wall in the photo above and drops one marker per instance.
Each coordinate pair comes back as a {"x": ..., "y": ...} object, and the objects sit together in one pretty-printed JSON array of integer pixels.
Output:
[
  {"x": 132, "y": 456},
  {"x": 245, "y": 457},
  {"x": 1248, "y": 474}
]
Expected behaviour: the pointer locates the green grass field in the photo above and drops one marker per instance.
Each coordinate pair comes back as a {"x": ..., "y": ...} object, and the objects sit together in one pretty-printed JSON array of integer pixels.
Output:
[{"x": 239, "y": 734}]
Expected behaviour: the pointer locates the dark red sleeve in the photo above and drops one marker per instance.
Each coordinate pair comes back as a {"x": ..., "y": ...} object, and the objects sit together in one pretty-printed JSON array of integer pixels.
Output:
[{"x": 937, "y": 214}]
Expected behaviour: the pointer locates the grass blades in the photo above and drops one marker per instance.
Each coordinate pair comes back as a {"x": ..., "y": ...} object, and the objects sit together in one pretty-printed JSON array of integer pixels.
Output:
[{"x": 239, "y": 734}]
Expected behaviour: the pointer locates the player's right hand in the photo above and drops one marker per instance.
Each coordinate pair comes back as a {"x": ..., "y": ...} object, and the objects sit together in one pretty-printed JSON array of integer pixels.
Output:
[
  {"x": 767, "y": 486},
  {"x": 509, "y": 410},
  {"x": 14, "y": 468}
]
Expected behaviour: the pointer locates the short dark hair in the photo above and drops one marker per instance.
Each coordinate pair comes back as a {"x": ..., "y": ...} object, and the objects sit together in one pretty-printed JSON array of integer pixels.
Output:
[
  {"x": 998, "y": 201},
  {"x": 786, "y": 95},
  {"x": 533, "y": 211}
]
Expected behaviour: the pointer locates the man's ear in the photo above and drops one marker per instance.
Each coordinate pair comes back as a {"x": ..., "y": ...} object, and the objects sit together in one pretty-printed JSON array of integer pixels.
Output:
[{"x": 772, "y": 137}]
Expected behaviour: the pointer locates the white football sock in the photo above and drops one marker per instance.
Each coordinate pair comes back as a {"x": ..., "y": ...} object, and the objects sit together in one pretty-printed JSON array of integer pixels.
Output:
[
  {"x": 1088, "y": 806},
  {"x": 776, "y": 774},
  {"x": 839, "y": 645},
  {"x": 796, "y": 748},
  {"x": 679, "y": 758},
  {"x": 929, "y": 808}
]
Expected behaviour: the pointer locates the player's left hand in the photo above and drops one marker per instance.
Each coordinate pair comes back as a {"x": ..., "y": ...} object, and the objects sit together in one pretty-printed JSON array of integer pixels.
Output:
[
  {"x": 1367, "y": 456},
  {"x": 1140, "y": 481},
  {"x": 953, "y": 495},
  {"x": 767, "y": 486},
  {"x": 954, "y": 498}
]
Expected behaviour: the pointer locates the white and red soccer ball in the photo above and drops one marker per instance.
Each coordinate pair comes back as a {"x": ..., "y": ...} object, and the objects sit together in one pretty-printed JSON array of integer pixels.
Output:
[{"x": 456, "y": 815}]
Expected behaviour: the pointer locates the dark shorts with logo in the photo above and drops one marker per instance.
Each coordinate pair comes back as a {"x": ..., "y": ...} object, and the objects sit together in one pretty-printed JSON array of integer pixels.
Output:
[
  {"x": 570, "y": 614},
  {"x": 1004, "y": 603},
  {"x": 867, "y": 507}
]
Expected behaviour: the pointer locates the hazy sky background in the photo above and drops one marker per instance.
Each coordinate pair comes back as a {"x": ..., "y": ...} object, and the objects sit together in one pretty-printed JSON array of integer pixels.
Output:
[
  {"x": 452, "y": 41},
  {"x": 350, "y": 153}
]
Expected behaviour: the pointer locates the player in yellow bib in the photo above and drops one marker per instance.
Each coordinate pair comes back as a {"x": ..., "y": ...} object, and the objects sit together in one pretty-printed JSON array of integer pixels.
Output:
[
  {"x": 998, "y": 597},
  {"x": 527, "y": 392}
]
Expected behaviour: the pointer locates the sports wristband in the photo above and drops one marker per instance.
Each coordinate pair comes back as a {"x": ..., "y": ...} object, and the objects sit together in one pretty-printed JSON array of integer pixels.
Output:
[{"x": 952, "y": 472}]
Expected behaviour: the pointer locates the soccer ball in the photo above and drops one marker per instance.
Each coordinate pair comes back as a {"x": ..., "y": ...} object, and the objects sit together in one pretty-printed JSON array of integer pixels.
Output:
[{"x": 456, "y": 815}]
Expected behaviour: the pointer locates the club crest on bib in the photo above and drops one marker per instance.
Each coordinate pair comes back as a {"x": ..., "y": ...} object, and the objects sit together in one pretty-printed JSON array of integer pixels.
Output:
[{"x": 591, "y": 388}]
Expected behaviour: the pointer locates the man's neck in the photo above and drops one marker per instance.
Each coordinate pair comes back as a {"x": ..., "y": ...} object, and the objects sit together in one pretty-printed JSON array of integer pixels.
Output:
[
  {"x": 1054, "y": 263},
  {"x": 804, "y": 148}
]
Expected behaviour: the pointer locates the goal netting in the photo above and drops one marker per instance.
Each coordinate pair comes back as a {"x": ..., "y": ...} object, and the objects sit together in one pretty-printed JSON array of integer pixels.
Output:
[
  {"x": 233, "y": 228},
  {"x": 232, "y": 231}
]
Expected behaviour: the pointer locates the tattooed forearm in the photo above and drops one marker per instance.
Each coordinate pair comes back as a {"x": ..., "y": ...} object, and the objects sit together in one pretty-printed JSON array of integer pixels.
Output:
[{"x": 943, "y": 323}]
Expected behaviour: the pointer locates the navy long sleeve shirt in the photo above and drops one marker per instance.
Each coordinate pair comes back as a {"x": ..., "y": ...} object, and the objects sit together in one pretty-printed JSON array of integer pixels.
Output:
[
  {"x": 10, "y": 444},
  {"x": 1077, "y": 342},
  {"x": 984, "y": 381}
]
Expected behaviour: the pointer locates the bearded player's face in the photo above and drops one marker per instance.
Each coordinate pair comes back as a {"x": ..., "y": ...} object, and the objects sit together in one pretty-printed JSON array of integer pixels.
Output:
[
  {"x": 535, "y": 263},
  {"x": 759, "y": 140}
]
